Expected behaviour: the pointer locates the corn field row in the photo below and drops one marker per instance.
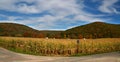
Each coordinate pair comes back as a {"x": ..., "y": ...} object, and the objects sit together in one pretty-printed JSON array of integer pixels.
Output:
[{"x": 60, "y": 47}]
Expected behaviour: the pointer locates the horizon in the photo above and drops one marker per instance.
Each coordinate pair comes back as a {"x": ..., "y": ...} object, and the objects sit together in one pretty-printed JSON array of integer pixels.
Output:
[
  {"x": 59, "y": 14},
  {"x": 58, "y": 29}
]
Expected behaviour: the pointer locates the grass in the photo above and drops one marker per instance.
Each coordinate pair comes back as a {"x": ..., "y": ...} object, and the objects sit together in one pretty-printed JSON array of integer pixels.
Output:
[{"x": 60, "y": 47}]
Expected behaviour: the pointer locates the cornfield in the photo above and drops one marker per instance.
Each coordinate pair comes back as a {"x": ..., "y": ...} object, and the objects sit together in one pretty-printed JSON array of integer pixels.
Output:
[{"x": 60, "y": 47}]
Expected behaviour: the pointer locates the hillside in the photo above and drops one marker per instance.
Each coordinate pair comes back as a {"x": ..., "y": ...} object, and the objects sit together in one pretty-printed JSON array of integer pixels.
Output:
[
  {"x": 51, "y": 33},
  {"x": 19, "y": 30},
  {"x": 13, "y": 29},
  {"x": 94, "y": 30}
]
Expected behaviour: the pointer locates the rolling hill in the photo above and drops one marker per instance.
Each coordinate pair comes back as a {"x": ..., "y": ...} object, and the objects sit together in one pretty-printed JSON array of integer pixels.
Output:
[
  {"x": 92, "y": 30},
  {"x": 95, "y": 30},
  {"x": 13, "y": 29}
]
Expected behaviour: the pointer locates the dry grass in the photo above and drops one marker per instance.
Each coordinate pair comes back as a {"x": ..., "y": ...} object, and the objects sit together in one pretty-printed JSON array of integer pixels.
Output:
[{"x": 64, "y": 47}]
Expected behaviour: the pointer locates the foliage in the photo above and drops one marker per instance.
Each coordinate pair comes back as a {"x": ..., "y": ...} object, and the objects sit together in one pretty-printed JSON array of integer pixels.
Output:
[
  {"x": 92, "y": 30},
  {"x": 12, "y": 29},
  {"x": 95, "y": 30}
]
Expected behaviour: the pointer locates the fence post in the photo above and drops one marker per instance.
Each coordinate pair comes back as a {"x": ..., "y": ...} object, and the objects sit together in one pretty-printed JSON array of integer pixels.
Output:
[{"x": 77, "y": 50}]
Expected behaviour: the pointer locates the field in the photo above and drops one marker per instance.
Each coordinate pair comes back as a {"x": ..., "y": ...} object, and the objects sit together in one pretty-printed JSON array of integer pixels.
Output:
[{"x": 60, "y": 47}]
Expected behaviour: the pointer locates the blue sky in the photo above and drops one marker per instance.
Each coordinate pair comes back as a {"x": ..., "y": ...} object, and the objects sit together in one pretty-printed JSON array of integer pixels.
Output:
[{"x": 59, "y": 14}]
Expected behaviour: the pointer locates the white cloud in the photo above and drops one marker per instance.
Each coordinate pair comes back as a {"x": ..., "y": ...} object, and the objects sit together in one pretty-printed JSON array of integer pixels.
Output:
[
  {"x": 27, "y": 9},
  {"x": 9, "y": 5},
  {"x": 115, "y": 11},
  {"x": 107, "y": 6},
  {"x": 58, "y": 9},
  {"x": 87, "y": 18},
  {"x": 39, "y": 6}
]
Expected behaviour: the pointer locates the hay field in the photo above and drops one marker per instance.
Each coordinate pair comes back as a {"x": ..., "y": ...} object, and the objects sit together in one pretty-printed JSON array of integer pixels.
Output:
[{"x": 60, "y": 47}]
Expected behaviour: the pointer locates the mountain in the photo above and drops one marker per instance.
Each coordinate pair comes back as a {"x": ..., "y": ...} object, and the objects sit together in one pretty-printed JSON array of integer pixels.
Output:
[
  {"x": 13, "y": 29},
  {"x": 91, "y": 30},
  {"x": 95, "y": 30},
  {"x": 19, "y": 30}
]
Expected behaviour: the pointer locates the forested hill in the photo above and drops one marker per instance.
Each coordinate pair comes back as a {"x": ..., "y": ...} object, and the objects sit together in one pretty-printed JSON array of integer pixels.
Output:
[
  {"x": 13, "y": 29},
  {"x": 19, "y": 30},
  {"x": 95, "y": 30},
  {"x": 92, "y": 30}
]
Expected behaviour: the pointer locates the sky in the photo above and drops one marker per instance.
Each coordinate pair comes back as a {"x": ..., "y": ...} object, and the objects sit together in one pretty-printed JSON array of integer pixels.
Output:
[{"x": 59, "y": 14}]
